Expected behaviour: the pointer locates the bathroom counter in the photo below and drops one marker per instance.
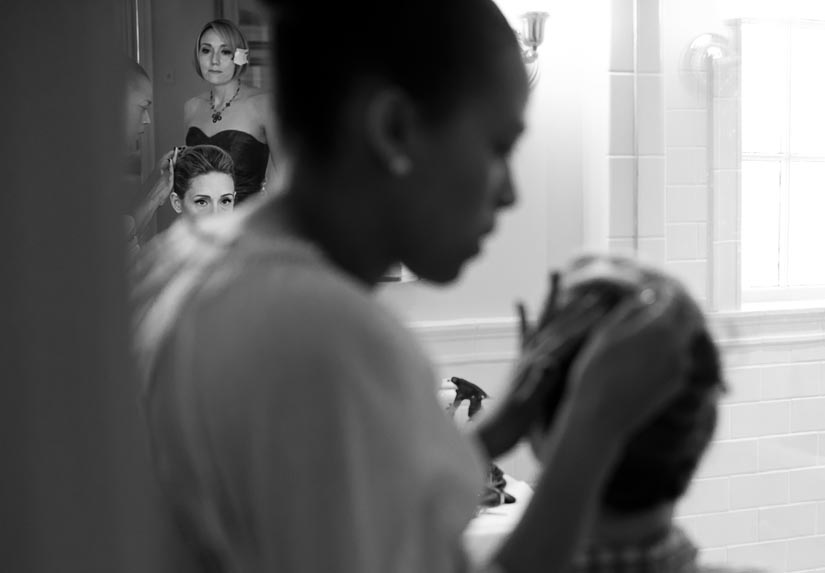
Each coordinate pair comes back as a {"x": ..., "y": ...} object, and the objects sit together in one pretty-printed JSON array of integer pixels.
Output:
[{"x": 487, "y": 531}]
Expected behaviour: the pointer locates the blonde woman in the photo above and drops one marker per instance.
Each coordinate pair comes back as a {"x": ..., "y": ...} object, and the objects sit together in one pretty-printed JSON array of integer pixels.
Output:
[{"x": 234, "y": 116}]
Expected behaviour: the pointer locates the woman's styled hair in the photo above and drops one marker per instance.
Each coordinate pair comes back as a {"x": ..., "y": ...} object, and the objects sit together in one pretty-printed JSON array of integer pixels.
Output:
[
  {"x": 436, "y": 51},
  {"x": 199, "y": 160},
  {"x": 230, "y": 34}
]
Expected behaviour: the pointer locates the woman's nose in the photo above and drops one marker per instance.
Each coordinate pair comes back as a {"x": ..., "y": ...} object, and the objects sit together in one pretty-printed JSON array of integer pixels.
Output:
[{"x": 216, "y": 57}]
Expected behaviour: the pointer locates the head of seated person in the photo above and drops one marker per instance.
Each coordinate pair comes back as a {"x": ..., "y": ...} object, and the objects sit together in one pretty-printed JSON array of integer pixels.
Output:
[
  {"x": 203, "y": 181},
  {"x": 656, "y": 465}
]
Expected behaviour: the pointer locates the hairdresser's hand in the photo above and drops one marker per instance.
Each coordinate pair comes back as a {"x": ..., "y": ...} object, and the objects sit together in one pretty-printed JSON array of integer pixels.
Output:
[
  {"x": 165, "y": 163},
  {"x": 632, "y": 366},
  {"x": 161, "y": 190},
  {"x": 530, "y": 387}
]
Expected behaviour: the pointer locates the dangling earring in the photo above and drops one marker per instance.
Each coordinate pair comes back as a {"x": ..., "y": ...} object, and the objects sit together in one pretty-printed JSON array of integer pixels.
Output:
[{"x": 400, "y": 165}]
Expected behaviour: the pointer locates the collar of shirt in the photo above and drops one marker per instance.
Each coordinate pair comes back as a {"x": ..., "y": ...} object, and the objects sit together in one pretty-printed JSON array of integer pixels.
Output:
[{"x": 674, "y": 553}]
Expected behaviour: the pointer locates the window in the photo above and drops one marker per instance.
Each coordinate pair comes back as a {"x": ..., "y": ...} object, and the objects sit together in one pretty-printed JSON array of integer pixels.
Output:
[{"x": 783, "y": 161}]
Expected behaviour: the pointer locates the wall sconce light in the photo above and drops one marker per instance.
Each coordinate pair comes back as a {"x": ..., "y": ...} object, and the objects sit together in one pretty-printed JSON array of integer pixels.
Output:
[{"x": 531, "y": 37}]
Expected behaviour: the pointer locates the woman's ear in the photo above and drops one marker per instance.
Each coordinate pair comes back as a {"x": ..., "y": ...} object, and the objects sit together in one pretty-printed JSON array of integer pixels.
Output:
[
  {"x": 390, "y": 125},
  {"x": 176, "y": 202}
]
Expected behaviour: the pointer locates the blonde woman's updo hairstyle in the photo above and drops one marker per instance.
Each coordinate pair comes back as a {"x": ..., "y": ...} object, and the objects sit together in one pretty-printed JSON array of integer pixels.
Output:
[{"x": 229, "y": 33}]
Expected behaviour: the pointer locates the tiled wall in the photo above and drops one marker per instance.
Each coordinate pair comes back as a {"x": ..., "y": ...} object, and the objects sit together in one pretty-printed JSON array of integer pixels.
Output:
[
  {"x": 637, "y": 163},
  {"x": 674, "y": 181},
  {"x": 759, "y": 496}
]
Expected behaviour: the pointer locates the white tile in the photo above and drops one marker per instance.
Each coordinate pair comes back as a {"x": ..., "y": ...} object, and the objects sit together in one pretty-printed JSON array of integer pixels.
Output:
[
  {"x": 722, "y": 529},
  {"x": 687, "y": 203},
  {"x": 722, "y": 430},
  {"x": 622, "y": 196},
  {"x": 651, "y": 118},
  {"x": 808, "y": 485},
  {"x": 705, "y": 496},
  {"x": 683, "y": 21},
  {"x": 726, "y": 144},
  {"x": 744, "y": 384},
  {"x": 820, "y": 520},
  {"x": 760, "y": 419},
  {"x": 808, "y": 414},
  {"x": 759, "y": 490},
  {"x": 726, "y": 205},
  {"x": 652, "y": 250},
  {"x": 681, "y": 91},
  {"x": 712, "y": 557},
  {"x": 651, "y": 196},
  {"x": 621, "y": 36},
  {"x": 807, "y": 351},
  {"x": 703, "y": 239},
  {"x": 726, "y": 280},
  {"x": 687, "y": 128},
  {"x": 791, "y": 381},
  {"x": 822, "y": 450},
  {"x": 767, "y": 556},
  {"x": 787, "y": 452},
  {"x": 730, "y": 458},
  {"x": 622, "y": 110},
  {"x": 621, "y": 246},
  {"x": 693, "y": 274},
  {"x": 687, "y": 166},
  {"x": 682, "y": 241},
  {"x": 787, "y": 522},
  {"x": 743, "y": 356},
  {"x": 648, "y": 57},
  {"x": 805, "y": 554}
]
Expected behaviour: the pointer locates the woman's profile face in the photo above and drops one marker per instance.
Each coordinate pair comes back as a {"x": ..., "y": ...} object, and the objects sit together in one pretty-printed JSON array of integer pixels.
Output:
[
  {"x": 461, "y": 175},
  {"x": 215, "y": 58},
  {"x": 207, "y": 194}
]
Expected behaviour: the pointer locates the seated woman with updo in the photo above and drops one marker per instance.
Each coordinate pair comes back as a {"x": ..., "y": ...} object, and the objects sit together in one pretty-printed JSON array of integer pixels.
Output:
[{"x": 204, "y": 181}]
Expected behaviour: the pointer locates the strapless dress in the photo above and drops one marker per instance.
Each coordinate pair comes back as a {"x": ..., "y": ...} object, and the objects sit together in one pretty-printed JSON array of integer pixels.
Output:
[{"x": 249, "y": 155}]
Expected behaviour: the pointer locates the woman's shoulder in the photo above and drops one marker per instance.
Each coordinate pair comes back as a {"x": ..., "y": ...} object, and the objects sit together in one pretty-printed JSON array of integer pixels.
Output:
[
  {"x": 194, "y": 104},
  {"x": 253, "y": 92},
  {"x": 260, "y": 99}
]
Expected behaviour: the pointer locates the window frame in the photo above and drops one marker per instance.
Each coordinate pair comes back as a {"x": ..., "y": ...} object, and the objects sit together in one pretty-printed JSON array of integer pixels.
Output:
[{"x": 783, "y": 294}]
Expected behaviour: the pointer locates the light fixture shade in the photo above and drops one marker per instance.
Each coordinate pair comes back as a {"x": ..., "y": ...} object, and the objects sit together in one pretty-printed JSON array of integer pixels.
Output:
[
  {"x": 531, "y": 37},
  {"x": 532, "y": 28}
]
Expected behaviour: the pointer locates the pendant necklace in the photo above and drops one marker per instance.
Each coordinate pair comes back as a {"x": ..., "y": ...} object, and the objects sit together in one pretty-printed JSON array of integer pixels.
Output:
[{"x": 217, "y": 113}]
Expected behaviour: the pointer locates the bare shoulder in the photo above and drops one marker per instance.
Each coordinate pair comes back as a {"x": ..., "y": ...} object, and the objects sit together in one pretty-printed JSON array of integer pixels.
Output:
[
  {"x": 253, "y": 92},
  {"x": 193, "y": 105},
  {"x": 261, "y": 99}
]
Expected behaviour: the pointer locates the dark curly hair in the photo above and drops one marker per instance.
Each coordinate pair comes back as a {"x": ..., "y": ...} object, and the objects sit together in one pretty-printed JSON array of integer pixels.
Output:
[{"x": 659, "y": 460}]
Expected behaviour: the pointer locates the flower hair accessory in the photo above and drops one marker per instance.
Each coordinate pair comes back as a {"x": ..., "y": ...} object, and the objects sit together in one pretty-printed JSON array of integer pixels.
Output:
[{"x": 241, "y": 57}]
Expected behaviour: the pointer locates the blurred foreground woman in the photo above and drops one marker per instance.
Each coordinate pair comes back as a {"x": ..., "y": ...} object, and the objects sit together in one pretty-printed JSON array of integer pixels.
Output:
[{"x": 293, "y": 419}]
